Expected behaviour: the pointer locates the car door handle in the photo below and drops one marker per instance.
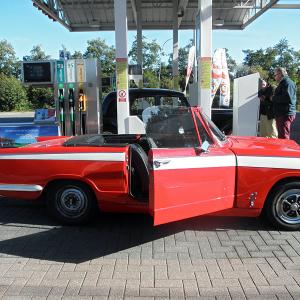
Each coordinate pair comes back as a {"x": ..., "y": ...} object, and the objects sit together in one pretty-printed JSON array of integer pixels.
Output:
[{"x": 158, "y": 163}]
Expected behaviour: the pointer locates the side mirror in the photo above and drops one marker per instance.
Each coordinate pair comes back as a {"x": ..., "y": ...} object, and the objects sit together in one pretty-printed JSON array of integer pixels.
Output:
[{"x": 204, "y": 148}]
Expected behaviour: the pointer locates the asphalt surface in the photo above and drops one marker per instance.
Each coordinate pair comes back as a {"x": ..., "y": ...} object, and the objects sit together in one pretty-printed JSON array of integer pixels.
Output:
[{"x": 125, "y": 257}]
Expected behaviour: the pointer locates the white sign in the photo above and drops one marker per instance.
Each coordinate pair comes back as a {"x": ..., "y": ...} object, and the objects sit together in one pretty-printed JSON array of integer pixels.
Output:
[{"x": 70, "y": 70}]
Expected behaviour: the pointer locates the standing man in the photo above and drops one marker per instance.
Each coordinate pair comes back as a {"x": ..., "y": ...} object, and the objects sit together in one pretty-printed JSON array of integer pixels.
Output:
[
  {"x": 267, "y": 122},
  {"x": 284, "y": 102}
]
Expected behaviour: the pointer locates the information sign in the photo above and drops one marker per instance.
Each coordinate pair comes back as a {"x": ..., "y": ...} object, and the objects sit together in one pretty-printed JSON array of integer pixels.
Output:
[{"x": 60, "y": 71}]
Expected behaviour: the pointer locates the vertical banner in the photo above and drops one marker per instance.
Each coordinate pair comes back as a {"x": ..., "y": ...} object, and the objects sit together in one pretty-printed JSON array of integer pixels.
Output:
[
  {"x": 190, "y": 65},
  {"x": 220, "y": 77},
  {"x": 216, "y": 72},
  {"x": 225, "y": 83}
]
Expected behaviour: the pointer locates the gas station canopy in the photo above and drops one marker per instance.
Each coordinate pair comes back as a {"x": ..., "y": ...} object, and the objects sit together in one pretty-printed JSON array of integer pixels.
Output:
[{"x": 98, "y": 15}]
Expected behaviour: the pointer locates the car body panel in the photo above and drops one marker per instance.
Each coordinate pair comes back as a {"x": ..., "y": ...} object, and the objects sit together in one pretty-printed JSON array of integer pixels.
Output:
[
  {"x": 184, "y": 183},
  {"x": 39, "y": 165}
]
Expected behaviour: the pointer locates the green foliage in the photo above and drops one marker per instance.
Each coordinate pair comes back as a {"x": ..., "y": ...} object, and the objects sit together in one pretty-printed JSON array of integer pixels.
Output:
[
  {"x": 97, "y": 48},
  {"x": 40, "y": 97},
  {"x": 152, "y": 53},
  {"x": 266, "y": 60},
  {"x": 231, "y": 63},
  {"x": 12, "y": 94},
  {"x": 77, "y": 54},
  {"x": 281, "y": 55},
  {"x": 9, "y": 64},
  {"x": 150, "y": 79},
  {"x": 166, "y": 81},
  {"x": 37, "y": 53}
]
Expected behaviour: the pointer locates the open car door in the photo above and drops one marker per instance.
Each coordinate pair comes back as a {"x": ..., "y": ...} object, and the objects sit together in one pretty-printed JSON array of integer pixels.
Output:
[{"x": 187, "y": 182}]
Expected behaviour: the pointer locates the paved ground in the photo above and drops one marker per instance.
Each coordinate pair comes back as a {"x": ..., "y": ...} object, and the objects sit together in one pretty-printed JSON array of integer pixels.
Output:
[{"x": 123, "y": 256}]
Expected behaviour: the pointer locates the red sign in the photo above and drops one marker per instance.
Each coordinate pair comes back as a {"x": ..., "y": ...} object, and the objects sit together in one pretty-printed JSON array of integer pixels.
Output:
[{"x": 122, "y": 96}]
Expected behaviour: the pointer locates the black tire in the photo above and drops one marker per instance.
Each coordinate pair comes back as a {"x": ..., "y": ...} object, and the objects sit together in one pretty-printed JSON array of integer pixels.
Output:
[
  {"x": 283, "y": 206},
  {"x": 71, "y": 202}
]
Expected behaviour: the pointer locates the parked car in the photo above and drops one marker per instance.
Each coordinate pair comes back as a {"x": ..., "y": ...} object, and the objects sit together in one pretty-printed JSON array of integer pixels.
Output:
[
  {"x": 140, "y": 99},
  {"x": 182, "y": 167}
]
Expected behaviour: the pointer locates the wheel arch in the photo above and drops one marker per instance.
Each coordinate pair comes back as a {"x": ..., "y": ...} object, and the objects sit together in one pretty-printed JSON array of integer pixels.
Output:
[
  {"x": 271, "y": 191},
  {"x": 56, "y": 181},
  {"x": 275, "y": 185}
]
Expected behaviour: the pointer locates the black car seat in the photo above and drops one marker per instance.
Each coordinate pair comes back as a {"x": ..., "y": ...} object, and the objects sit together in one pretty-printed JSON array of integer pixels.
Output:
[{"x": 139, "y": 177}]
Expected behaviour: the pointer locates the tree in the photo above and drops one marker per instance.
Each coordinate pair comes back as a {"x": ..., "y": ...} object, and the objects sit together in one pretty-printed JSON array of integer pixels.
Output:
[
  {"x": 77, "y": 54},
  {"x": 8, "y": 61},
  {"x": 152, "y": 53},
  {"x": 40, "y": 97},
  {"x": 231, "y": 63},
  {"x": 280, "y": 55},
  {"x": 12, "y": 94},
  {"x": 97, "y": 48},
  {"x": 37, "y": 53}
]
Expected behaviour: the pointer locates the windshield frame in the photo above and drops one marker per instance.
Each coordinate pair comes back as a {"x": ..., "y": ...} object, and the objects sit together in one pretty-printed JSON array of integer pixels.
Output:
[{"x": 217, "y": 135}]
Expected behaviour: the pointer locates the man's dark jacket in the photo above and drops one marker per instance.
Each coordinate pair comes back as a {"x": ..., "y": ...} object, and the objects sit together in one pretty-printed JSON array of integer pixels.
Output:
[{"x": 284, "y": 99}]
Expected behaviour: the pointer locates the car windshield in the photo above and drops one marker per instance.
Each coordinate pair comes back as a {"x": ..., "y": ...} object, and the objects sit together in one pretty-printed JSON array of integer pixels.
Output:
[{"x": 170, "y": 127}]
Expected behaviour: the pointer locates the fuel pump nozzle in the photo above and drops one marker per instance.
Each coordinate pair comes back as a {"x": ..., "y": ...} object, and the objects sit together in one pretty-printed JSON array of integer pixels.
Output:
[
  {"x": 71, "y": 109},
  {"x": 82, "y": 110},
  {"x": 61, "y": 101}
]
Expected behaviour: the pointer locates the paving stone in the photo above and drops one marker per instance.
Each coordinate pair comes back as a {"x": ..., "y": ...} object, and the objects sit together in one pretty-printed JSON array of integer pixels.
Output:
[
  {"x": 190, "y": 288},
  {"x": 220, "y": 291},
  {"x": 94, "y": 291},
  {"x": 132, "y": 288},
  {"x": 236, "y": 292},
  {"x": 177, "y": 293},
  {"x": 155, "y": 292},
  {"x": 273, "y": 290},
  {"x": 35, "y": 291}
]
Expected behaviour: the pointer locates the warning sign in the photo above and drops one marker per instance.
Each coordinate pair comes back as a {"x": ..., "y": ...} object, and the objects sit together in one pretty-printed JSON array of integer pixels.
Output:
[{"x": 122, "y": 96}]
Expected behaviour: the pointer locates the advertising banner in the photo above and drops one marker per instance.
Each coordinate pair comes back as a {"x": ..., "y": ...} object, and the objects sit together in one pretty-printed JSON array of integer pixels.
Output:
[
  {"x": 190, "y": 65},
  {"x": 220, "y": 77},
  {"x": 20, "y": 135}
]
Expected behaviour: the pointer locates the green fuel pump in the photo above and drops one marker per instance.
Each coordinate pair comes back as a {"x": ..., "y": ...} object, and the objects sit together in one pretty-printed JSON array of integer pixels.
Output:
[
  {"x": 71, "y": 110},
  {"x": 61, "y": 100}
]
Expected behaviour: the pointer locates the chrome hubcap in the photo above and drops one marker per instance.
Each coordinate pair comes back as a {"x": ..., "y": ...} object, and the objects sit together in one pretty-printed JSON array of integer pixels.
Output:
[
  {"x": 288, "y": 206},
  {"x": 72, "y": 202}
]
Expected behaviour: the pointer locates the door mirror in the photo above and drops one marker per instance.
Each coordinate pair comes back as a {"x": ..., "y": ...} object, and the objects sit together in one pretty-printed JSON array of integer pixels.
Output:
[{"x": 204, "y": 147}]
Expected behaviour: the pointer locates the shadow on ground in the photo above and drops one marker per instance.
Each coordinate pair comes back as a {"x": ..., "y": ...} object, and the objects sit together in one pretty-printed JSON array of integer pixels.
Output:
[{"x": 27, "y": 231}]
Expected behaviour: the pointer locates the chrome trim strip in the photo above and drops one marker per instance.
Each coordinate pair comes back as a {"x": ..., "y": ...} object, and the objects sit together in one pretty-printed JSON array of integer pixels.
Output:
[
  {"x": 271, "y": 162},
  {"x": 21, "y": 187},
  {"x": 194, "y": 162},
  {"x": 92, "y": 156}
]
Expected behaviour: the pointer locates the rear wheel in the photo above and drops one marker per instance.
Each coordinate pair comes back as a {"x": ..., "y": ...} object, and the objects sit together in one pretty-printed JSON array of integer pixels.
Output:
[
  {"x": 283, "y": 206},
  {"x": 71, "y": 202}
]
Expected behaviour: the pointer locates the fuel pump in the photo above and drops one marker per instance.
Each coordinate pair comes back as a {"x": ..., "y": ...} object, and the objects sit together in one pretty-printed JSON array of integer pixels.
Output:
[
  {"x": 61, "y": 103},
  {"x": 71, "y": 109}
]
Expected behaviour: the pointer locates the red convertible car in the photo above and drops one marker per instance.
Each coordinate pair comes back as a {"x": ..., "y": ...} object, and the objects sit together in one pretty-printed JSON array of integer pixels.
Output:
[{"x": 182, "y": 167}]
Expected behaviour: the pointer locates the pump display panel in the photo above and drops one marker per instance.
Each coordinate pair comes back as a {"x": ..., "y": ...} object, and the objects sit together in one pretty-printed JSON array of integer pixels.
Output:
[{"x": 38, "y": 72}]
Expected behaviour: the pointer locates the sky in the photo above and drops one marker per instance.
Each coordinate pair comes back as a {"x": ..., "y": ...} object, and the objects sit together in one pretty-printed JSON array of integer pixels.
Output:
[{"x": 24, "y": 26}]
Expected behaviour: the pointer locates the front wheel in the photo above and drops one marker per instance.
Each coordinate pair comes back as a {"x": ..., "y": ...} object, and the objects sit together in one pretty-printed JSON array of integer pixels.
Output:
[
  {"x": 71, "y": 202},
  {"x": 283, "y": 206}
]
